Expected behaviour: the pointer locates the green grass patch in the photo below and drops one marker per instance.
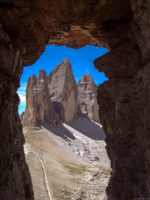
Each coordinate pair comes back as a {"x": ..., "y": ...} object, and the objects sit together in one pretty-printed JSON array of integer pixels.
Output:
[
  {"x": 75, "y": 169},
  {"x": 107, "y": 172}
]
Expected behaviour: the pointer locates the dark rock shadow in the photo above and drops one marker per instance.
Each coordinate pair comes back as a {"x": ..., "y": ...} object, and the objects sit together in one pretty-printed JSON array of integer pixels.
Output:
[
  {"x": 60, "y": 131},
  {"x": 88, "y": 128}
]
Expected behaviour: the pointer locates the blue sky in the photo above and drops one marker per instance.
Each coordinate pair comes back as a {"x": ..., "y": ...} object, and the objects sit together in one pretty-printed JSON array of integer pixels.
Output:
[{"x": 81, "y": 59}]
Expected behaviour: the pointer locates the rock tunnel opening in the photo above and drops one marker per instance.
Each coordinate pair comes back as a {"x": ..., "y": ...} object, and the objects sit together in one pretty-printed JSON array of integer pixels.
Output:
[
  {"x": 66, "y": 129},
  {"x": 82, "y": 61},
  {"x": 26, "y": 27}
]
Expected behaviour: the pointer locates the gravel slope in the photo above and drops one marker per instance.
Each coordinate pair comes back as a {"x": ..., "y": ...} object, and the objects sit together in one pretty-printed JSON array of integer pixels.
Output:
[{"x": 66, "y": 164}]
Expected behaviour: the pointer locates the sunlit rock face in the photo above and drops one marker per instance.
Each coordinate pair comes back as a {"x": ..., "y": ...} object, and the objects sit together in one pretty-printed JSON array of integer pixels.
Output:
[
  {"x": 26, "y": 27},
  {"x": 57, "y": 98},
  {"x": 63, "y": 91},
  {"x": 39, "y": 107},
  {"x": 87, "y": 98},
  {"x": 51, "y": 99}
]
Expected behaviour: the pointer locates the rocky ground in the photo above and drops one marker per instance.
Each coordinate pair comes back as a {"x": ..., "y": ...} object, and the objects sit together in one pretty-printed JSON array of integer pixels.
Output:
[{"x": 66, "y": 164}]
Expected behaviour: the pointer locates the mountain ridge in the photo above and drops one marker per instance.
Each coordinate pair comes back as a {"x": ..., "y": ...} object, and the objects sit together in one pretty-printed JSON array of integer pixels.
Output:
[{"x": 58, "y": 98}]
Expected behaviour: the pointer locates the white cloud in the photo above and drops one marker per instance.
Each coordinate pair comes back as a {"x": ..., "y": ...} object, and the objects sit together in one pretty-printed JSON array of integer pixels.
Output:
[
  {"x": 22, "y": 92},
  {"x": 22, "y": 97}
]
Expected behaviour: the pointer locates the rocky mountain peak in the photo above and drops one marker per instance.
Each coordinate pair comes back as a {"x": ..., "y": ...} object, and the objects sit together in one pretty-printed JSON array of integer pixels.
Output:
[
  {"x": 53, "y": 98},
  {"x": 42, "y": 75},
  {"x": 58, "y": 78},
  {"x": 57, "y": 97},
  {"x": 39, "y": 108},
  {"x": 65, "y": 61},
  {"x": 63, "y": 91},
  {"x": 88, "y": 83},
  {"x": 87, "y": 77},
  {"x": 87, "y": 101},
  {"x": 31, "y": 81}
]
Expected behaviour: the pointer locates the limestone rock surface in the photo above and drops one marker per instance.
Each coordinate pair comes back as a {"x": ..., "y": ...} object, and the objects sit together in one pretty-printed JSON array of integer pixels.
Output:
[
  {"x": 39, "y": 108},
  {"x": 51, "y": 99},
  {"x": 87, "y": 98},
  {"x": 63, "y": 91},
  {"x": 57, "y": 98}
]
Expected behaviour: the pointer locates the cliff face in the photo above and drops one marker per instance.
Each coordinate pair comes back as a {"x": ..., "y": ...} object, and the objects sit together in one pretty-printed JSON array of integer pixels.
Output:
[
  {"x": 39, "y": 107},
  {"x": 63, "y": 91},
  {"x": 87, "y": 98},
  {"x": 51, "y": 99},
  {"x": 124, "y": 104},
  {"x": 58, "y": 98},
  {"x": 15, "y": 180}
]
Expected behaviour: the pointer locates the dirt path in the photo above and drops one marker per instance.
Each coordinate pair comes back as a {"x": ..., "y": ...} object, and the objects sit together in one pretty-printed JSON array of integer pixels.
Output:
[{"x": 44, "y": 172}]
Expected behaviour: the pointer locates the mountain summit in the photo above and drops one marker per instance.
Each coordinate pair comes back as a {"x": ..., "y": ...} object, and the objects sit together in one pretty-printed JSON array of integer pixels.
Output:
[
  {"x": 87, "y": 101},
  {"x": 57, "y": 98},
  {"x": 39, "y": 107},
  {"x": 63, "y": 91}
]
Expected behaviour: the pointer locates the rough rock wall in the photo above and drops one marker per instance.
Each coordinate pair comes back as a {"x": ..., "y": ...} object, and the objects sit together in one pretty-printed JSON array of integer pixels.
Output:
[
  {"x": 87, "y": 97},
  {"x": 63, "y": 91},
  {"x": 124, "y": 110},
  {"x": 39, "y": 107},
  {"x": 15, "y": 180},
  {"x": 33, "y": 24},
  {"x": 26, "y": 27}
]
